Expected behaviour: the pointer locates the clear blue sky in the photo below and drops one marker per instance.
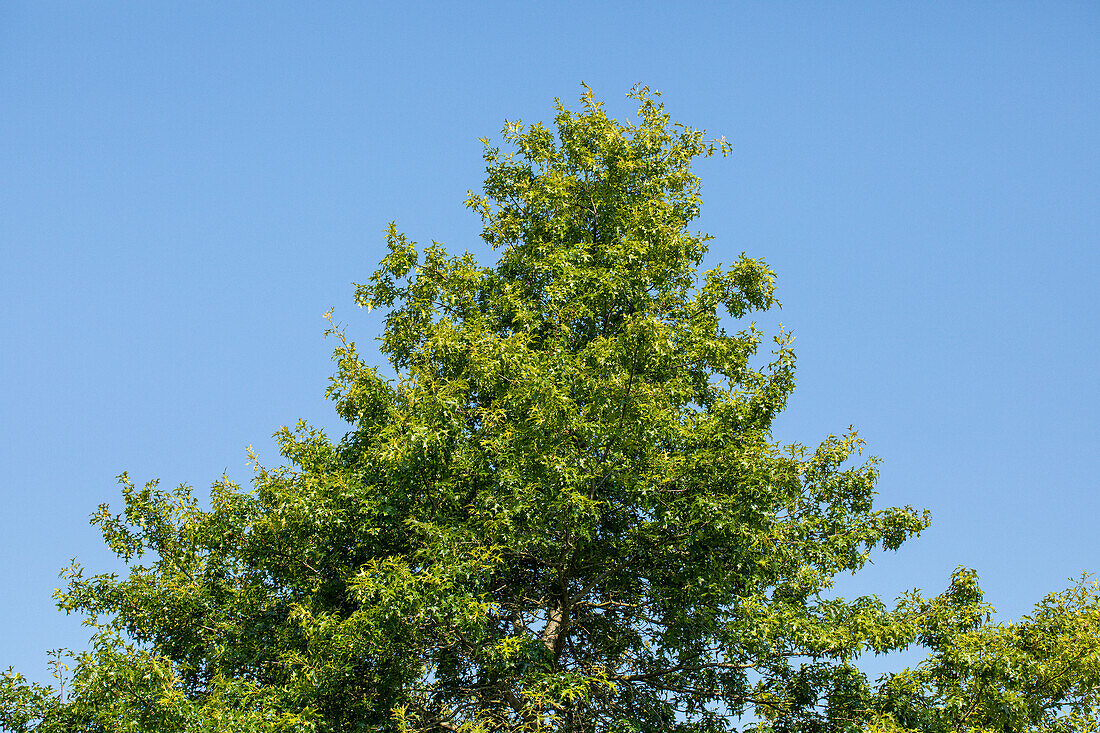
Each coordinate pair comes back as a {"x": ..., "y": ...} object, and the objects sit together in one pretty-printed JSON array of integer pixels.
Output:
[{"x": 186, "y": 188}]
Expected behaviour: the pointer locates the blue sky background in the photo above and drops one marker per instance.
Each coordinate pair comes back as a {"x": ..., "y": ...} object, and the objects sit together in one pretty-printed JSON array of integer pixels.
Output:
[{"x": 186, "y": 188}]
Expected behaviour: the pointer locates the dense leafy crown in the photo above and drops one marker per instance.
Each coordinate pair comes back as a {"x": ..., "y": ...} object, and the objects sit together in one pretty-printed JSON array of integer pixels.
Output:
[{"x": 566, "y": 513}]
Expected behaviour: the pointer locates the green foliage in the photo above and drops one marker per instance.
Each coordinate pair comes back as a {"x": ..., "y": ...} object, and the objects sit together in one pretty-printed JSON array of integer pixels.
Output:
[
  {"x": 566, "y": 513},
  {"x": 1039, "y": 674}
]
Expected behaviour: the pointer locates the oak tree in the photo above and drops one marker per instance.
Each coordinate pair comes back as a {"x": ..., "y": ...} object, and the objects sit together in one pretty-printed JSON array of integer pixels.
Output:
[{"x": 566, "y": 512}]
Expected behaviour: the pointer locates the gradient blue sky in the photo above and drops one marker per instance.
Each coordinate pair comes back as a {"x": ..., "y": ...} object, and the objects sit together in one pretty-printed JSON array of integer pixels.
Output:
[{"x": 186, "y": 188}]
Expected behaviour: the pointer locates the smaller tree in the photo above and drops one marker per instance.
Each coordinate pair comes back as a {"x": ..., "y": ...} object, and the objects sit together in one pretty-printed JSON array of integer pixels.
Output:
[
  {"x": 566, "y": 513},
  {"x": 1041, "y": 673}
]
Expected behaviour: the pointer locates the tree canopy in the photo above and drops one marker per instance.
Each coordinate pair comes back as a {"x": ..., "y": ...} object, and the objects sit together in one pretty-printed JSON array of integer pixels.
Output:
[{"x": 566, "y": 512}]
